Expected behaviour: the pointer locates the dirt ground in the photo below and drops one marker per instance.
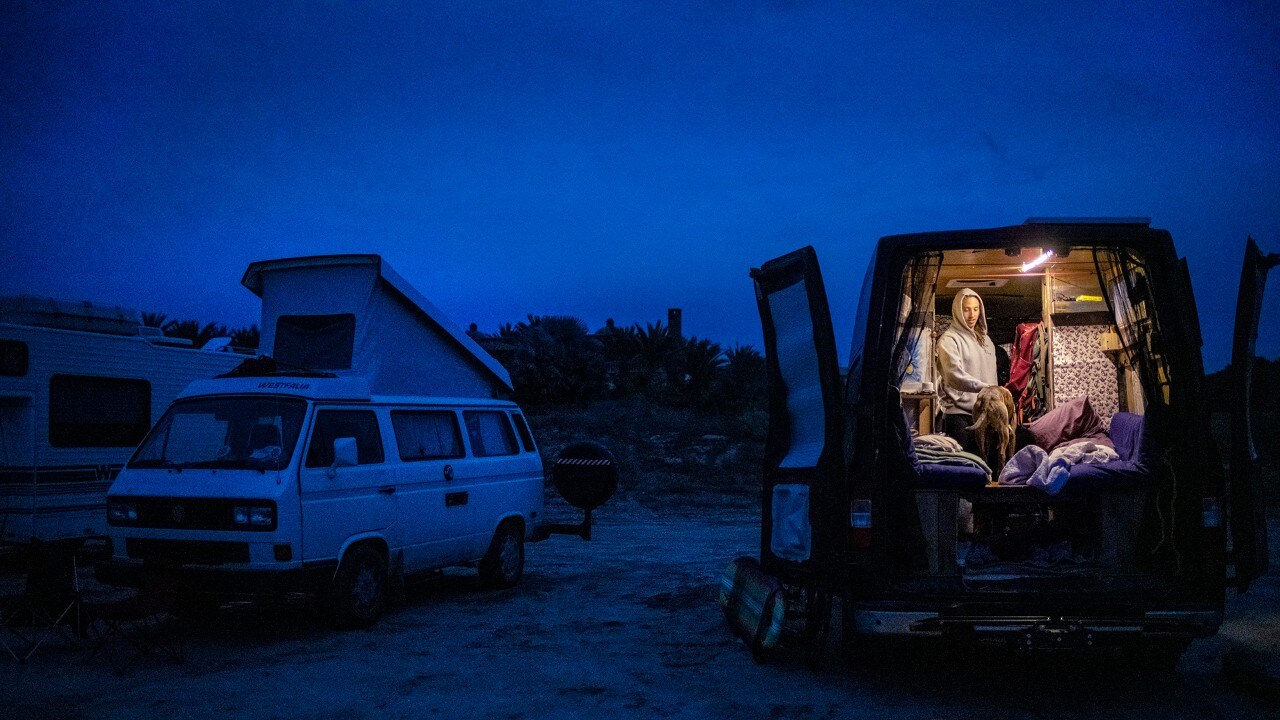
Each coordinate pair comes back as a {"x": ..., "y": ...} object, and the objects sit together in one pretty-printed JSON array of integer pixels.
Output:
[{"x": 623, "y": 626}]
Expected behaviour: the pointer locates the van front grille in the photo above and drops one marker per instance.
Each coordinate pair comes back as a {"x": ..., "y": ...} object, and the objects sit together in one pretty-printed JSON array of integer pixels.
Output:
[{"x": 183, "y": 513}]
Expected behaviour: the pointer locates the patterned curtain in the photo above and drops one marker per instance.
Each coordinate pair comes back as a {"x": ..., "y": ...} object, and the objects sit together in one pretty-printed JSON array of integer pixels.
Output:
[{"x": 915, "y": 311}]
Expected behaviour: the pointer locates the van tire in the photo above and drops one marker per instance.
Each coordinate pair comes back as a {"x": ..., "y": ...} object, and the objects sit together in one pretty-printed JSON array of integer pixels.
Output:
[
  {"x": 503, "y": 565},
  {"x": 359, "y": 591}
]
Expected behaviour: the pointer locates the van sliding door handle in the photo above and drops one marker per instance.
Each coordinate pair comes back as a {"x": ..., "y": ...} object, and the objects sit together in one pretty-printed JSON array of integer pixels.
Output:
[
  {"x": 455, "y": 499},
  {"x": 387, "y": 490}
]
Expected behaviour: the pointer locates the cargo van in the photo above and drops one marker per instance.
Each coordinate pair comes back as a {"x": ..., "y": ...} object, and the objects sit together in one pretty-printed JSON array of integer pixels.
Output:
[
  {"x": 372, "y": 441},
  {"x": 860, "y": 503}
]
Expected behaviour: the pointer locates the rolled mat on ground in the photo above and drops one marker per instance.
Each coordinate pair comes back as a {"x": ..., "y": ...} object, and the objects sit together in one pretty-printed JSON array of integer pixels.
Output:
[{"x": 753, "y": 604}]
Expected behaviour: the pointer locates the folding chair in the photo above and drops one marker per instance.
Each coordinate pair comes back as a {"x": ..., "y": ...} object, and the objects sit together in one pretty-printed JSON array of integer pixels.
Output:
[
  {"x": 130, "y": 627},
  {"x": 48, "y": 605}
]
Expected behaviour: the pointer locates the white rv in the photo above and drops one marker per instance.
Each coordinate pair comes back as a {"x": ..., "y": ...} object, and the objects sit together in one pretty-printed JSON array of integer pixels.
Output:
[
  {"x": 372, "y": 442},
  {"x": 80, "y": 385}
]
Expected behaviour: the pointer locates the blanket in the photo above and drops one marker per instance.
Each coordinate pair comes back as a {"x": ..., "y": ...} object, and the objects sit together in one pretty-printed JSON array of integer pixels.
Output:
[
  {"x": 926, "y": 453},
  {"x": 1033, "y": 467},
  {"x": 938, "y": 441}
]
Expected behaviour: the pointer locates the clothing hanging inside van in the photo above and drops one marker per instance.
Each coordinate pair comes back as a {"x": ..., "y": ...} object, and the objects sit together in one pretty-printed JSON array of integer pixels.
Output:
[{"x": 1027, "y": 371}]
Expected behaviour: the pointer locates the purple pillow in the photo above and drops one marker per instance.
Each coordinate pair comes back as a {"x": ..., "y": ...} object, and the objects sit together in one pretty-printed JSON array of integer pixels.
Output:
[{"x": 1072, "y": 420}]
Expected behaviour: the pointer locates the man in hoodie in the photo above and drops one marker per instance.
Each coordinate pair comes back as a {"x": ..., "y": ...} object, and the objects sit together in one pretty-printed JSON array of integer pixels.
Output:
[{"x": 967, "y": 360}]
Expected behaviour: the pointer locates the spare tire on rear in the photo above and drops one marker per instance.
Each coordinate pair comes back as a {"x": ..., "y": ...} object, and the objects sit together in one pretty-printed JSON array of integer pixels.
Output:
[{"x": 585, "y": 475}]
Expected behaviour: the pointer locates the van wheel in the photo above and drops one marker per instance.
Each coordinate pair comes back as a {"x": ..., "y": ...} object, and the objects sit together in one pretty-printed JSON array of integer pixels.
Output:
[
  {"x": 503, "y": 565},
  {"x": 359, "y": 592}
]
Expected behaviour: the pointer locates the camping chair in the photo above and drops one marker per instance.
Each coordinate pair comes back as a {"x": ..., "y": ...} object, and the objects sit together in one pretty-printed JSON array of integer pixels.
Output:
[
  {"x": 48, "y": 605},
  {"x": 127, "y": 628}
]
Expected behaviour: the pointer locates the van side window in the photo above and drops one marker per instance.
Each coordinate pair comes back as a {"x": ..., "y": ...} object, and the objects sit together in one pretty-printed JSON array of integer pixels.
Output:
[
  {"x": 526, "y": 437},
  {"x": 13, "y": 358},
  {"x": 427, "y": 435},
  {"x": 98, "y": 411},
  {"x": 490, "y": 433},
  {"x": 333, "y": 424}
]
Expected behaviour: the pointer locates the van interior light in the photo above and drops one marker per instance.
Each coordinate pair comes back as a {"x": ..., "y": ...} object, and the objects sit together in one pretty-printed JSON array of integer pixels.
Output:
[{"x": 1032, "y": 265}]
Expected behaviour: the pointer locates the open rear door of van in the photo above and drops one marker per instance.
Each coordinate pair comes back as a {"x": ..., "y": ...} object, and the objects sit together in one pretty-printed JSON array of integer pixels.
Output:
[
  {"x": 804, "y": 498},
  {"x": 1248, "y": 515}
]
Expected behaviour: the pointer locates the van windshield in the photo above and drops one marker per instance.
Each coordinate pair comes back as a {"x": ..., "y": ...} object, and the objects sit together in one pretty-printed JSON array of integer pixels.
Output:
[{"x": 224, "y": 433}]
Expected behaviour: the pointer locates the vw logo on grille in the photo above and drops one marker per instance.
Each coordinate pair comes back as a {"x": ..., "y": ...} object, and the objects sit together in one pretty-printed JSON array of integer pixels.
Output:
[{"x": 179, "y": 513}]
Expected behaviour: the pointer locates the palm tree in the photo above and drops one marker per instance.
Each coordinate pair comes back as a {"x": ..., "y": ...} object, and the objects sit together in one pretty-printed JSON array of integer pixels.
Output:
[
  {"x": 654, "y": 348},
  {"x": 703, "y": 361},
  {"x": 620, "y": 346},
  {"x": 746, "y": 377},
  {"x": 189, "y": 329},
  {"x": 155, "y": 320},
  {"x": 555, "y": 359},
  {"x": 195, "y": 332},
  {"x": 246, "y": 337}
]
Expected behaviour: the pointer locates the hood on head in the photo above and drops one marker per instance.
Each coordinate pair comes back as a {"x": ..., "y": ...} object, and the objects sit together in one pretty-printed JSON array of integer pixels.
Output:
[{"x": 957, "y": 314}]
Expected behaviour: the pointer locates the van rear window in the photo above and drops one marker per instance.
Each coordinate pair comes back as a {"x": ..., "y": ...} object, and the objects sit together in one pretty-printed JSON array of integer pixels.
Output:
[
  {"x": 526, "y": 437},
  {"x": 427, "y": 435},
  {"x": 490, "y": 433}
]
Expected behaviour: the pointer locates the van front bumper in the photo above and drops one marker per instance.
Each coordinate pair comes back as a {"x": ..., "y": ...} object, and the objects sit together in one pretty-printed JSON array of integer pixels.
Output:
[{"x": 226, "y": 581}]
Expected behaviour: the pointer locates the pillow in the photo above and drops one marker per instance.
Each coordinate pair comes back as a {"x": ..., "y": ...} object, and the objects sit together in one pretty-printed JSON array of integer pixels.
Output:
[{"x": 1071, "y": 420}]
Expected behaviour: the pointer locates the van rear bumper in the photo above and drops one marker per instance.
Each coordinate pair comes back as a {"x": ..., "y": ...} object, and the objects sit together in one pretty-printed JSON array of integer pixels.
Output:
[
  {"x": 1031, "y": 629},
  {"x": 226, "y": 581}
]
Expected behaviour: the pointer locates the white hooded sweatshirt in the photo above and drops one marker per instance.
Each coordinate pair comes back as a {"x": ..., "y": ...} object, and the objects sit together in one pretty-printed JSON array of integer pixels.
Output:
[{"x": 967, "y": 363}]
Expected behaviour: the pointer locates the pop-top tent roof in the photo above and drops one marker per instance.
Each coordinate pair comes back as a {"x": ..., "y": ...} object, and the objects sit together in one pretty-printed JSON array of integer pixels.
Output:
[{"x": 352, "y": 315}]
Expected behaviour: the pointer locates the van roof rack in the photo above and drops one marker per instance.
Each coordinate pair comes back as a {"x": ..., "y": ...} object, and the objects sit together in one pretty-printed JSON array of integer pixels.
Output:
[{"x": 1144, "y": 221}]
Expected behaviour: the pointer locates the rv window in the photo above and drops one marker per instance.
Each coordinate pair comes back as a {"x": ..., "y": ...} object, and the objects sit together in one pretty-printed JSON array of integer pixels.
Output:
[
  {"x": 490, "y": 433},
  {"x": 98, "y": 411},
  {"x": 427, "y": 435},
  {"x": 316, "y": 342},
  {"x": 333, "y": 424},
  {"x": 526, "y": 437},
  {"x": 13, "y": 358}
]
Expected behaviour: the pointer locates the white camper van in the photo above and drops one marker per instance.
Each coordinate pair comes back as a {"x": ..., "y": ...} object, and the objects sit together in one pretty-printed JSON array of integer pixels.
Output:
[
  {"x": 80, "y": 385},
  {"x": 373, "y": 442}
]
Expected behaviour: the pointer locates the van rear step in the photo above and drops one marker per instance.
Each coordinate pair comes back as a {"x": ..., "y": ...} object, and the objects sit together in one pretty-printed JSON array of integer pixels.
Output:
[{"x": 1045, "y": 633}]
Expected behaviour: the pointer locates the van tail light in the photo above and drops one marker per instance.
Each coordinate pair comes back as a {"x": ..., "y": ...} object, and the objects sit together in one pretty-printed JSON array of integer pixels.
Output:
[
  {"x": 860, "y": 523},
  {"x": 1211, "y": 512}
]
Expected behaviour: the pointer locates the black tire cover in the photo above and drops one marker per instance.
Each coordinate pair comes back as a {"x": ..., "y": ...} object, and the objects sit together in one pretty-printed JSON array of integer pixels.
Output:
[{"x": 586, "y": 475}]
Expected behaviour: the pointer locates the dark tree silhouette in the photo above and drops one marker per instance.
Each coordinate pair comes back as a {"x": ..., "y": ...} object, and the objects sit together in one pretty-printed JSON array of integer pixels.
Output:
[{"x": 702, "y": 362}]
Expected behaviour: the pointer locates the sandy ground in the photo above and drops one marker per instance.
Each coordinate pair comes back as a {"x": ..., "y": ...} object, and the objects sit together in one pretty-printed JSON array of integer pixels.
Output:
[{"x": 623, "y": 626}]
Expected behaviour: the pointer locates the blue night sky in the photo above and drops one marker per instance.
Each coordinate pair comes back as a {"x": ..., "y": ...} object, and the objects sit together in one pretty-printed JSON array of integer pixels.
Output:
[{"x": 613, "y": 159}]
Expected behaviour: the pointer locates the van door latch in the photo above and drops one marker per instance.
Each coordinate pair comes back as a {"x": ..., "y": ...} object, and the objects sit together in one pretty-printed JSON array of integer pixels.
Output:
[
  {"x": 455, "y": 499},
  {"x": 387, "y": 490}
]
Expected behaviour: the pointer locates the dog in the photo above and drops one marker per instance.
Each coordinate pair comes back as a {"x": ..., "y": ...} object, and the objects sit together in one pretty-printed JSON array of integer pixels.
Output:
[{"x": 993, "y": 426}]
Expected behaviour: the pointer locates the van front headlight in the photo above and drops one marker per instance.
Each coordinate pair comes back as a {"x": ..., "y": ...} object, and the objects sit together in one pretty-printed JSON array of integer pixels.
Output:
[
  {"x": 254, "y": 515},
  {"x": 121, "y": 513}
]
